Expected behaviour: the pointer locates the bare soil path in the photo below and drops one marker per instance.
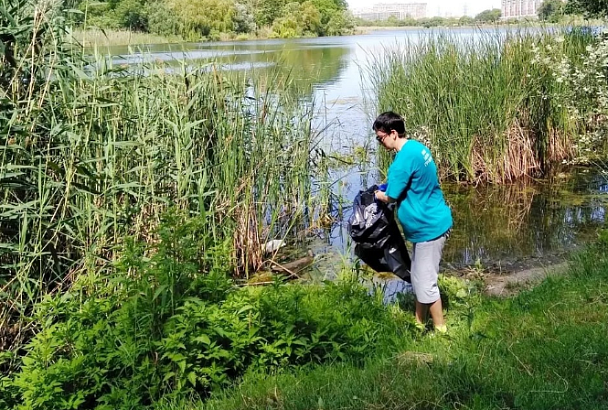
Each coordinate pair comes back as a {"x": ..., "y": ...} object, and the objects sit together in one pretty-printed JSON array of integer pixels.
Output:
[{"x": 508, "y": 285}]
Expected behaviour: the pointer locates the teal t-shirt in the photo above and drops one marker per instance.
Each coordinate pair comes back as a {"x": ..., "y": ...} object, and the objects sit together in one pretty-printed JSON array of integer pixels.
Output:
[{"x": 412, "y": 180}]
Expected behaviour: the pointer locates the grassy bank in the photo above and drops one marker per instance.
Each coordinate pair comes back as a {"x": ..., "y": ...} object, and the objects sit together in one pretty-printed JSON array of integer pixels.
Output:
[
  {"x": 96, "y": 37},
  {"x": 167, "y": 323},
  {"x": 110, "y": 37},
  {"x": 545, "y": 348},
  {"x": 493, "y": 108}
]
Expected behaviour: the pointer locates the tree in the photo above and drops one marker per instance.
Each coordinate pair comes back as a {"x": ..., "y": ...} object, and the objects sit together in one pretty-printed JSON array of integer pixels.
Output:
[
  {"x": 201, "y": 16},
  {"x": 432, "y": 22},
  {"x": 489, "y": 16},
  {"x": 340, "y": 23},
  {"x": 267, "y": 11},
  {"x": 328, "y": 9},
  {"x": 286, "y": 27},
  {"x": 551, "y": 10},
  {"x": 131, "y": 14},
  {"x": 392, "y": 21},
  {"x": 309, "y": 18},
  {"x": 591, "y": 8},
  {"x": 466, "y": 21},
  {"x": 163, "y": 20},
  {"x": 243, "y": 20},
  {"x": 195, "y": 19}
]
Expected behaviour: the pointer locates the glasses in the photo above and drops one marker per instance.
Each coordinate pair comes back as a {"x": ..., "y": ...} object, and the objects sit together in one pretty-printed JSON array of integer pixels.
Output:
[{"x": 381, "y": 138}]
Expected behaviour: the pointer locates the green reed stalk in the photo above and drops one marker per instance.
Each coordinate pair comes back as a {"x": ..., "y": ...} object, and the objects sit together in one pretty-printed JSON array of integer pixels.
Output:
[
  {"x": 489, "y": 112},
  {"x": 94, "y": 152}
]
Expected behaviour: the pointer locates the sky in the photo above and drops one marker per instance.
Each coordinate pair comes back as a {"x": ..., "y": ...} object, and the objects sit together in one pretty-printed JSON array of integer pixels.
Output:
[{"x": 437, "y": 7}]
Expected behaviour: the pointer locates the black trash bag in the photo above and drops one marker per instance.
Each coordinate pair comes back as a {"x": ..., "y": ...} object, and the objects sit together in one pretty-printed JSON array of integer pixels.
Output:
[{"x": 379, "y": 243}]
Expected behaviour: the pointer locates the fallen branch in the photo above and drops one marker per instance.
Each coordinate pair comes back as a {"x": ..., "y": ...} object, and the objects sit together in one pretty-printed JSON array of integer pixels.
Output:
[{"x": 292, "y": 267}]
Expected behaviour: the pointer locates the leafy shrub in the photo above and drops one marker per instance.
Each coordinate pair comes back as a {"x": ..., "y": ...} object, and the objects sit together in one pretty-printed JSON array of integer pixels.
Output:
[
  {"x": 132, "y": 15},
  {"x": 168, "y": 323}
]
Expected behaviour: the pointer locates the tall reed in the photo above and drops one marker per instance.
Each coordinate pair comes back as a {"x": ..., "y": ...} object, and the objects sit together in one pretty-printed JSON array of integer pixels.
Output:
[
  {"x": 91, "y": 152},
  {"x": 483, "y": 104}
]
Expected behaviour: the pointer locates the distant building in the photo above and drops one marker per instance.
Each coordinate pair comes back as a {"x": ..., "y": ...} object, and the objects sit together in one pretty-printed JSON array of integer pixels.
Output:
[
  {"x": 401, "y": 11},
  {"x": 514, "y": 9}
]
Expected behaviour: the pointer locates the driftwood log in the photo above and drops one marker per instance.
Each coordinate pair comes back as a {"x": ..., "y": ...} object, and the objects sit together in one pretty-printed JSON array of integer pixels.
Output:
[{"x": 292, "y": 268}]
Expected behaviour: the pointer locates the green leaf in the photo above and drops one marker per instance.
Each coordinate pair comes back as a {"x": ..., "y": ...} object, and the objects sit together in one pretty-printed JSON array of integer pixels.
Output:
[
  {"x": 182, "y": 366},
  {"x": 245, "y": 308},
  {"x": 203, "y": 339},
  {"x": 28, "y": 361},
  {"x": 160, "y": 290},
  {"x": 192, "y": 378}
]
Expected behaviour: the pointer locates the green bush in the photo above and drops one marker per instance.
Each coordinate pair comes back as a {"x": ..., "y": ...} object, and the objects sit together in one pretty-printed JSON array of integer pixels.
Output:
[
  {"x": 132, "y": 15},
  {"x": 167, "y": 323},
  {"x": 162, "y": 20}
]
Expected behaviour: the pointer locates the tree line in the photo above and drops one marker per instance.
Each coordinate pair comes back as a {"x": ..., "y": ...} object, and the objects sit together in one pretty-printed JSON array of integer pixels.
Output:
[
  {"x": 208, "y": 19},
  {"x": 555, "y": 10},
  {"x": 550, "y": 10}
]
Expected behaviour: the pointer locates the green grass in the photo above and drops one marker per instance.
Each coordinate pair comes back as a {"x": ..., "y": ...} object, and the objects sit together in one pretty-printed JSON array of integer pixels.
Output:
[
  {"x": 491, "y": 107},
  {"x": 545, "y": 348}
]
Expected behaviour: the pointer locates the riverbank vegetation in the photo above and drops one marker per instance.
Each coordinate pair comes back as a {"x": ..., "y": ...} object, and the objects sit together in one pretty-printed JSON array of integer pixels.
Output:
[
  {"x": 166, "y": 322},
  {"x": 100, "y": 38},
  {"x": 136, "y": 204},
  {"x": 571, "y": 12},
  {"x": 499, "y": 108},
  {"x": 217, "y": 19},
  {"x": 487, "y": 17},
  {"x": 92, "y": 154}
]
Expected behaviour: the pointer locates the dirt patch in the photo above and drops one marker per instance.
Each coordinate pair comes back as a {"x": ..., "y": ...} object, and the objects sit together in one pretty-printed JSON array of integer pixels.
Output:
[{"x": 509, "y": 285}]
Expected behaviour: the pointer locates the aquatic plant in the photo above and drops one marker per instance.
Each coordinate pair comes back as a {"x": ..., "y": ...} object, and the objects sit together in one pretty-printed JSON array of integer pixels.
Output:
[{"x": 487, "y": 110}]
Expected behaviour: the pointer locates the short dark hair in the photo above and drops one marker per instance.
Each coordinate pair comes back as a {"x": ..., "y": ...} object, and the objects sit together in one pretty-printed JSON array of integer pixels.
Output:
[{"x": 388, "y": 121}]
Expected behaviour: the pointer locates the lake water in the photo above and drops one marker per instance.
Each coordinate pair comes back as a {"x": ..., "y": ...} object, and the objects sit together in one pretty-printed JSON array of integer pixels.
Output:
[{"x": 503, "y": 228}]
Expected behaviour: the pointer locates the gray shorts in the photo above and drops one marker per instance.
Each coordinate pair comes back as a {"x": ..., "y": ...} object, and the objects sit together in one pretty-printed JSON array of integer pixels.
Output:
[{"x": 425, "y": 269}]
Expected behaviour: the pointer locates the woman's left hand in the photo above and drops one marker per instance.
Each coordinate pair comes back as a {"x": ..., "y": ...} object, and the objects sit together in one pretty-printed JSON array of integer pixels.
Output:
[{"x": 381, "y": 196}]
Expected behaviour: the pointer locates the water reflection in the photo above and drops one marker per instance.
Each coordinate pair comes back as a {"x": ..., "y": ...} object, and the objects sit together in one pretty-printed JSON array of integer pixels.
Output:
[
  {"x": 391, "y": 288},
  {"x": 498, "y": 226},
  {"x": 502, "y": 226},
  {"x": 302, "y": 64}
]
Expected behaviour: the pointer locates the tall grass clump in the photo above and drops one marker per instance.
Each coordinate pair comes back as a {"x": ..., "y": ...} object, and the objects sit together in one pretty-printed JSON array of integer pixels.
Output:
[
  {"x": 489, "y": 106},
  {"x": 91, "y": 153}
]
